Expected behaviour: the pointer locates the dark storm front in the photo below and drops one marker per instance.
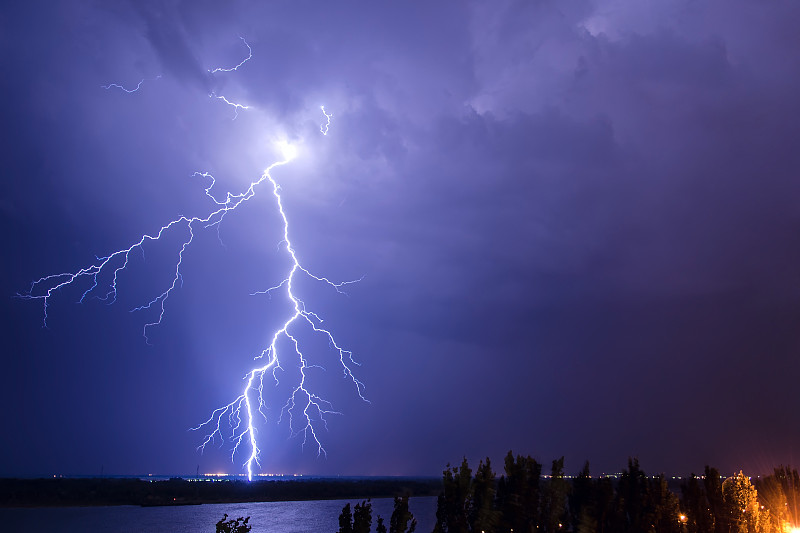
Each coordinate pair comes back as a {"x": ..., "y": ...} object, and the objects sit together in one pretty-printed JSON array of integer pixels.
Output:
[{"x": 286, "y": 517}]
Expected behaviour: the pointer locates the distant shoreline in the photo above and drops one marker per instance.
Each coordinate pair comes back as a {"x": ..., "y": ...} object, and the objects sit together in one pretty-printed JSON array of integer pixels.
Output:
[{"x": 107, "y": 491}]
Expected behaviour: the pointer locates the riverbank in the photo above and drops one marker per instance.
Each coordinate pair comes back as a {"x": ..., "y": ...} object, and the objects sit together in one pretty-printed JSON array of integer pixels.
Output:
[{"x": 67, "y": 492}]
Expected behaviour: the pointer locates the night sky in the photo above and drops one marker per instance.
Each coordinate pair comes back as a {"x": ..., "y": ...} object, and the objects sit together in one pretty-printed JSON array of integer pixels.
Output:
[{"x": 577, "y": 223}]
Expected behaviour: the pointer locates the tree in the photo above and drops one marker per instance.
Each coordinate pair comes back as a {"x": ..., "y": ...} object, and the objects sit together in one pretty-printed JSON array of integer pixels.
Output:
[
  {"x": 362, "y": 517},
  {"x": 238, "y": 525},
  {"x": 773, "y": 513},
  {"x": 518, "y": 494},
  {"x": 357, "y": 521},
  {"x": 482, "y": 513},
  {"x": 582, "y": 503},
  {"x": 452, "y": 504},
  {"x": 554, "y": 501},
  {"x": 631, "y": 499},
  {"x": 741, "y": 504},
  {"x": 713, "y": 485},
  {"x": 699, "y": 518},
  {"x": 402, "y": 521},
  {"x": 346, "y": 520},
  {"x": 644, "y": 504},
  {"x": 662, "y": 507},
  {"x": 790, "y": 485},
  {"x": 381, "y": 527},
  {"x": 604, "y": 494}
]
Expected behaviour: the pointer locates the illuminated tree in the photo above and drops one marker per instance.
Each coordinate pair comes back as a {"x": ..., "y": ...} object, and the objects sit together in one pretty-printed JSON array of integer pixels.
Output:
[
  {"x": 773, "y": 512},
  {"x": 790, "y": 484},
  {"x": 741, "y": 504}
]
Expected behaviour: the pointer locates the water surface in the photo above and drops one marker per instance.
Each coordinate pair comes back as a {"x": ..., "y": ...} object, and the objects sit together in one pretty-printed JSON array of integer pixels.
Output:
[{"x": 319, "y": 516}]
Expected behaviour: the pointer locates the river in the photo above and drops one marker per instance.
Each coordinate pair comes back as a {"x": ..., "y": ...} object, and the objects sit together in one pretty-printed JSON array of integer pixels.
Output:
[{"x": 320, "y": 516}]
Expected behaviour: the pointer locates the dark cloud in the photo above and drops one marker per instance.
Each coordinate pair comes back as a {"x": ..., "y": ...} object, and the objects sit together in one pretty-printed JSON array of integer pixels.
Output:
[{"x": 165, "y": 32}]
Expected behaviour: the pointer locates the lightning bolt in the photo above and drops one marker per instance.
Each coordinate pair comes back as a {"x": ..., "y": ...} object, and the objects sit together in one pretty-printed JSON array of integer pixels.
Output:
[
  {"x": 240, "y": 413},
  {"x": 324, "y": 127},
  {"x": 307, "y": 411},
  {"x": 118, "y": 86},
  {"x": 236, "y": 107},
  {"x": 242, "y": 62},
  {"x": 110, "y": 85}
]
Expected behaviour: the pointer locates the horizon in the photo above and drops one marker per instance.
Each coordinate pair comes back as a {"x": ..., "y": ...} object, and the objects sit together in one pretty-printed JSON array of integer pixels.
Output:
[{"x": 223, "y": 476}]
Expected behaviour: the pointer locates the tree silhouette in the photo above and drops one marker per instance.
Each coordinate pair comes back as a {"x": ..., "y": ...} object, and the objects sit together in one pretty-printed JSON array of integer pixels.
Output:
[
  {"x": 238, "y": 525},
  {"x": 482, "y": 513},
  {"x": 346, "y": 520},
  {"x": 362, "y": 517},
  {"x": 518, "y": 494},
  {"x": 402, "y": 521},
  {"x": 452, "y": 504},
  {"x": 554, "y": 501}
]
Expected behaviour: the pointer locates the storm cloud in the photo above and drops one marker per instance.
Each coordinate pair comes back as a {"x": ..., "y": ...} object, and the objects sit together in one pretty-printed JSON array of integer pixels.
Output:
[{"x": 576, "y": 223}]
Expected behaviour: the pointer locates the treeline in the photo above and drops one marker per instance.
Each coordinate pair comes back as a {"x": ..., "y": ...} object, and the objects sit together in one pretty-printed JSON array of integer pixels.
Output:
[
  {"x": 359, "y": 520},
  {"x": 522, "y": 500},
  {"x": 110, "y": 491}
]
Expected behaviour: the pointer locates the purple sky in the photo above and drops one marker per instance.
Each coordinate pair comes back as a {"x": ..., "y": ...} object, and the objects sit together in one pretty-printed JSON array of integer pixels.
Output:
[{"x": 577, "y": 224}]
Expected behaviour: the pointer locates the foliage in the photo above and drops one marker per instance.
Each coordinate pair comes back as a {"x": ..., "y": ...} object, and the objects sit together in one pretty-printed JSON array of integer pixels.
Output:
[
  {"x": 522, "y": 500},
  {"x": 357, "y": 521},
  {"x": 518, "y": 494},
  {"x": 554, "y": 499},
  {"x": 238, "y": 525},
  {"x": 789, "y": 482},
  {"x": 695, "y": 504},
  {"x": 346, "y": 520},
  {"x": 360, "y": 519},
  {"x": 774, "y": 508},
  {"x": 452, "y": 504},
  {"x": 481, "y": 506},
  {"x": 741, "y": 504},
  {"x": 402, "y": 521}
]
